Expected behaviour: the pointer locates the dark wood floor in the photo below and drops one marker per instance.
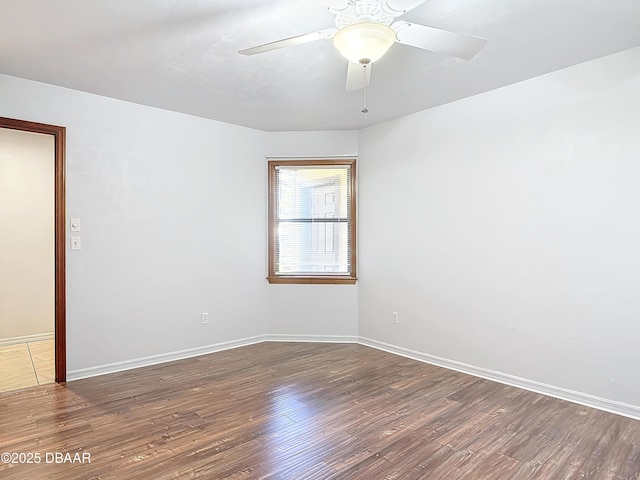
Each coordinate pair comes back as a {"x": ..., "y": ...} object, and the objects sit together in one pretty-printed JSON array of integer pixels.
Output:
[{"x": 310, "y": 411}]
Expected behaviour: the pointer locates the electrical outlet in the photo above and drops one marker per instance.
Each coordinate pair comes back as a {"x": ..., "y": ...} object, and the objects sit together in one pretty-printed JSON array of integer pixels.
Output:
[
  {"x": 204, "y": 318},
  {"x": 76, "y": 244},
  {"x": 395, "y": 317}
]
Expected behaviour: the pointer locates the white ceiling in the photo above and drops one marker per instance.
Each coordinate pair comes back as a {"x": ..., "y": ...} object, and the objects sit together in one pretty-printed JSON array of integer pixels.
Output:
[{"x": 182, "y": 54}]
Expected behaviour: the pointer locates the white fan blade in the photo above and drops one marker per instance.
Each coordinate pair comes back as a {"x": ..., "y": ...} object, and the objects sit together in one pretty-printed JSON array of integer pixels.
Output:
[
  {"x": 358, "y": 76},
  {"x": 438, "y": 40},
  {"x": 289, "y": 42},
  {"x": 399, "y": 7}
]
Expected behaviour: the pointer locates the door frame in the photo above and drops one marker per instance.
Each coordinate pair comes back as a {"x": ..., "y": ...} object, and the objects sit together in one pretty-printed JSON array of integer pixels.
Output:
[{"x": 60, "y": 318}]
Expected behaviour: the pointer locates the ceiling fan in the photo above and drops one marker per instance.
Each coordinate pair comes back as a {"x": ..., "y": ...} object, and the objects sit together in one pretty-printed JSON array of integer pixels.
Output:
[{"x": 366, "y": 29}]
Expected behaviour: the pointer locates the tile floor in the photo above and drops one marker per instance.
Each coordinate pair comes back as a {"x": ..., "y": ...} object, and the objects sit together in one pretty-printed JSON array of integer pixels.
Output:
[{"x": 26, "y": 365}]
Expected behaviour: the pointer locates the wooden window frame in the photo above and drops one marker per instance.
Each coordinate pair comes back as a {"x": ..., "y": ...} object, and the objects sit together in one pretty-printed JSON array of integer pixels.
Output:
[{"x": 306, "y": 278}]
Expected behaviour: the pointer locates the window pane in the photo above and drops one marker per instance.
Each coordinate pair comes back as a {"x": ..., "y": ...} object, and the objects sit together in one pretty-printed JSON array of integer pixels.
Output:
[
  {"x": 312, "y": 192},
  {"x": 310, "y": 247}
]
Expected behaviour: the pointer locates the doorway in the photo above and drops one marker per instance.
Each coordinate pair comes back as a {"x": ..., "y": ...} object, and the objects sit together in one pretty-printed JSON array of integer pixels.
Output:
[{"x": 59, "y": 224}]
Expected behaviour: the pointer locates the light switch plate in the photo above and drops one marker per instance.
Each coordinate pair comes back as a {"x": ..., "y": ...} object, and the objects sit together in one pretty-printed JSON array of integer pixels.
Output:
[{"x": 74, "y": 224}]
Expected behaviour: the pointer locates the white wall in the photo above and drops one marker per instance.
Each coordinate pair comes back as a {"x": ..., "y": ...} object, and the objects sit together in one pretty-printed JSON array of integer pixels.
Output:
[
  {"x": 311, "y": 310},
  {"x": 26, "y": 234},
  {"x": 173, "y": 224},
  {"x": 505, "y": 230}
]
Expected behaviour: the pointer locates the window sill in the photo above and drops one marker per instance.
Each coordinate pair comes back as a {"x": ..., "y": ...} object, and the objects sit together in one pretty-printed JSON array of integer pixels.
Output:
[{"x": 300, "y": 279}]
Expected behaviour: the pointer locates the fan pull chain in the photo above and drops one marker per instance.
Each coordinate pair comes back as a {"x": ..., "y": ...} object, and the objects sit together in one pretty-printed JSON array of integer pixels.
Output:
[{"x": 364, "y": 110}]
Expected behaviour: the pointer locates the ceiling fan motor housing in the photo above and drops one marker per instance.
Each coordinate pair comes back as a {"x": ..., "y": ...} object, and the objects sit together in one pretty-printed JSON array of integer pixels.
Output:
[{"x": 364, "y": 11}]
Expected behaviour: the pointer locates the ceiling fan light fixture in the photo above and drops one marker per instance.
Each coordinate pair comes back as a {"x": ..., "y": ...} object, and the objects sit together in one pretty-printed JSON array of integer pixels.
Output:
[{"x": 364, "y": 42}]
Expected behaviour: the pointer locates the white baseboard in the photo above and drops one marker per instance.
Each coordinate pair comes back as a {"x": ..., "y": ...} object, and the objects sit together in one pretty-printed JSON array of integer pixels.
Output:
[
  {"x": 39, "y": 337},
  {"x": 162, "y": 358},
  {"x": 194, "y": 352},
  {"x": 311, "y": 338},
  {"x": 611, "y": 406}
]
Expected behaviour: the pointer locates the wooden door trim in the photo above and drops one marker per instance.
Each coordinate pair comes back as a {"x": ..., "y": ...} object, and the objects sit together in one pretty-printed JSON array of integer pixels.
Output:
[{"x": 59, "y": 135}]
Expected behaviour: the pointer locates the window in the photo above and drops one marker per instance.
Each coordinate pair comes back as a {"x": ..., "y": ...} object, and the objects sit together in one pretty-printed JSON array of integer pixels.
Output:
[{"x": 312, "y": 221}]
